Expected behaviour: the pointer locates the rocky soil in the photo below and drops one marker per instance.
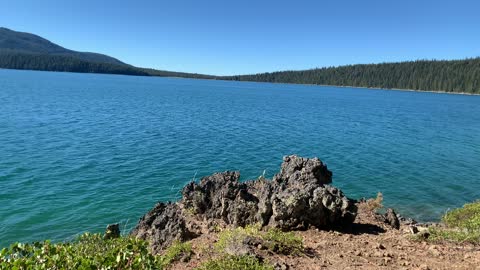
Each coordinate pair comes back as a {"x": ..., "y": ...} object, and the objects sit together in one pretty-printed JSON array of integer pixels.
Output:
[
  {"x": 337, "y": 232},
  {"x": 371, "y": 244}
]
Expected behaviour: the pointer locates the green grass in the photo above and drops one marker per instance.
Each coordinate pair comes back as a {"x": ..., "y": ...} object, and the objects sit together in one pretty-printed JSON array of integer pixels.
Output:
[
  {"x": 177, "y": 251},
  {"x": 273, "y": 239},
  {"x": 462, "y": 226},
  {"x": 90, "y": 251},
  {"x": 452, "y": 235},
  {"x": 283, "y": 242},
  {"x": 467, "y": 217},
  {"x": 235, "y": 263}
]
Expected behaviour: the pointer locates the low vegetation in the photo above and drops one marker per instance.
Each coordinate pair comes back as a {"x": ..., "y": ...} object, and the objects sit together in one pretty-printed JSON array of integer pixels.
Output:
[
  {"x": 235, "y": 263},
  {"x": 93, "y": 251},
  {"x": 273, "y": 239},
  {"x": 177, "y": 251},
  {"x": 90, "y": 251},
  {"x": 462, "y": 225},
  {"x": 374, "y": 204},
  {"x": 467, "y": 217}
]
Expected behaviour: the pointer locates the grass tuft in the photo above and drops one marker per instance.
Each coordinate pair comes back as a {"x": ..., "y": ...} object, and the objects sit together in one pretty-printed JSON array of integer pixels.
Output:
[
  {"x": 462, "y": 226},
  {"x": 375, "y": 204},
  {"x": 467, "y": 217},
  {"x": 274, "y": 239},
  {"x": 452, "y": 235},
  {"x": 235, "y": 263},
  {"x": 178, "y": 250}
]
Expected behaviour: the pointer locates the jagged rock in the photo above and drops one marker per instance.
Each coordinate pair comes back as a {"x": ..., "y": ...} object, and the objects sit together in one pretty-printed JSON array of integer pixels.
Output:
[
  {"x": 301, "y": 198},
  {"x": 112, "y": 231},
  {"x": 221, "y": 196},
  {"x": 390, "y": 217},
  {"x": 406, "y": 221},
  {"x": 162, "y": 225},
  {"x": 298, "y": 197}
]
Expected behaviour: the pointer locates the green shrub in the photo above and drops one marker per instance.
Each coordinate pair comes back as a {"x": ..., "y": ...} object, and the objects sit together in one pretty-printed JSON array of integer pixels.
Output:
[
  {"x": 467, "y": 217},
  {"x": 235, "y": 263},
  {"x": 177, "y": 251},
  {"x": 452, "y": 235},
  {"x": 462, "y": 225},
  {"x": 89, "y": 251},
  {"x": 283, "y": 242}
]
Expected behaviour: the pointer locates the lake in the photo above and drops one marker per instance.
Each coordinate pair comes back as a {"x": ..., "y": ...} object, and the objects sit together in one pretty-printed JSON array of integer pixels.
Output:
[{"x": 79, "y": 151}]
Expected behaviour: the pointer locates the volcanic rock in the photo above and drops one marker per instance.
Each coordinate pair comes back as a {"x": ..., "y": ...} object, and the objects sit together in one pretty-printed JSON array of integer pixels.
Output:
[{"x": 298, "y": 197}]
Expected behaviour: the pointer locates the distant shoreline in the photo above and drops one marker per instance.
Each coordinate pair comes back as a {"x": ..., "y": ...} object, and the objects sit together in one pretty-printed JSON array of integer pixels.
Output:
[
  {"x": 350, "y": 86},
  {"x": 306, "y": 84}
]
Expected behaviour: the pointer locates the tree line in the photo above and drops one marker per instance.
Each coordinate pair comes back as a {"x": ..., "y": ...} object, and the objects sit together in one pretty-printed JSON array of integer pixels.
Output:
[
  {"x": 434, "y": 75},
  {"x": 431, "y": 75}
]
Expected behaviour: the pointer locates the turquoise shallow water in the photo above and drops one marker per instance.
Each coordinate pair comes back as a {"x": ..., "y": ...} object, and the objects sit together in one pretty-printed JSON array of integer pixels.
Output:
[{"x": 79, "y": 151}]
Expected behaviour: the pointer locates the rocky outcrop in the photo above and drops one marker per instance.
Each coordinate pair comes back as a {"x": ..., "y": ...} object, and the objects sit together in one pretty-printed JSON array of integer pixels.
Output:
[{"x": 298, "y": 197}]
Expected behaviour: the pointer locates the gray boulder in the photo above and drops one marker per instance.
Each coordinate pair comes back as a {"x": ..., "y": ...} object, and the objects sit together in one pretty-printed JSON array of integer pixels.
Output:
[{"x": 301, "y": 198}]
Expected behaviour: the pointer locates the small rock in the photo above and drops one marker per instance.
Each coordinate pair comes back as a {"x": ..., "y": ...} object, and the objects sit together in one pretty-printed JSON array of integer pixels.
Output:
[
  {"x": 280, "y": 266},
  {"x": 239, "y": 249},
  {"x": 388, "y": 254},
  {"x": 424, "y": 267},
  {"x": 113, "y": 231},
  {"x": 434, "y": 251},
  {"x": 358, "y": 253},
  {"x": 378, "y": 254},
  {"x": 424, "y": 234},
  {"x": 379, "y": 246}
]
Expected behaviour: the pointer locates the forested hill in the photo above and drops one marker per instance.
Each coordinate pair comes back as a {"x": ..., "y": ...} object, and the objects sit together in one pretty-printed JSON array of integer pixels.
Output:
[
  {"x": 13, "y": 42},
  {"x": 19, "y": 50},
  {"x": 448, "y": 76}
]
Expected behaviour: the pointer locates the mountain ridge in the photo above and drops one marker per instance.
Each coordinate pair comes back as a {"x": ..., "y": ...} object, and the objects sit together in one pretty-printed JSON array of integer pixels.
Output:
[{"x": 21, "y": 42}]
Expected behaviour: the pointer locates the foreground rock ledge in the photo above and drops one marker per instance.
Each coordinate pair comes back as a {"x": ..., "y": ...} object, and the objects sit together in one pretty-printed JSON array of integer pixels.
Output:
[{"x": 298, "y": 197}]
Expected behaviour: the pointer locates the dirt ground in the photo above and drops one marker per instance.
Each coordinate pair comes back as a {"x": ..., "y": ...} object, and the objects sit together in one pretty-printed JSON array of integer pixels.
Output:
[{"x": 370, "y": 245}]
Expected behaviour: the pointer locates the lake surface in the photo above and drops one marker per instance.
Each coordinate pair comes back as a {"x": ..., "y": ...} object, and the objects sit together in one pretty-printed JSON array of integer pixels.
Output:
[{"x": 79, "y": 151}]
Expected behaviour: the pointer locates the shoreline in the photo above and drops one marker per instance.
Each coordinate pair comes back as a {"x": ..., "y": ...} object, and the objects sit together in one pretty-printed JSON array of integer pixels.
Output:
[
  {"x": 350, "y": 86},
  {"x": 306, "y": 84}
]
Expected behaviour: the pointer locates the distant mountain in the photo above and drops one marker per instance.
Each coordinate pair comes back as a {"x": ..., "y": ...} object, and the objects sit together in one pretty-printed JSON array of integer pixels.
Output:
[
  {"x": 19, "y": 50},
  {"x": 26, "y": 43},
  {"x": 446, "y": 76}
]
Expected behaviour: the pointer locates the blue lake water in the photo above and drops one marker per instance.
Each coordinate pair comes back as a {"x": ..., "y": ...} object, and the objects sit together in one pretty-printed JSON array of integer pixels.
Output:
[{"x": 79, "y": 151}]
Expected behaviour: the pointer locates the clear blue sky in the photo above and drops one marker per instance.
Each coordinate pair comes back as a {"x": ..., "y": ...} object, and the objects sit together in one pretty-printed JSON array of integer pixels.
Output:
[{"x": 237, "y": 37}]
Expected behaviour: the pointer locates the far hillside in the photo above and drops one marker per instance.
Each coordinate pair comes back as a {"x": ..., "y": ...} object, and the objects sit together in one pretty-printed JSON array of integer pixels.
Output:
[
  {"x": 432, "y": 75},
  {"x": 19, "y": 50}
]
